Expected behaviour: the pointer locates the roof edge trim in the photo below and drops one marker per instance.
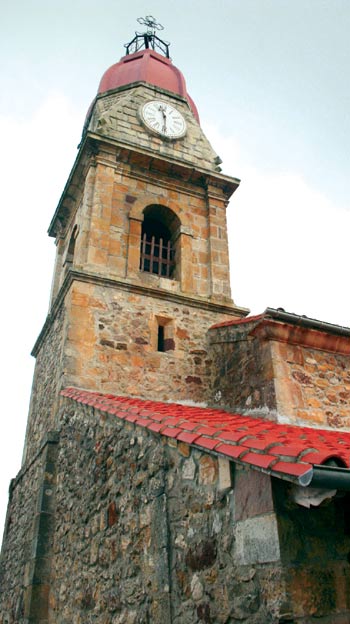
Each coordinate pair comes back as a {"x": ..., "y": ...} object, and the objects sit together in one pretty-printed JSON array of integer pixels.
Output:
[{"x": 199, "y": 434}]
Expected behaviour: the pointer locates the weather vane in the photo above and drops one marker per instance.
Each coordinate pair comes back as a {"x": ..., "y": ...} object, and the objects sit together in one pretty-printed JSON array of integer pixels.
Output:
[
  {"x": 152, "y": 24},
  {"x": 148, "y": 39}
]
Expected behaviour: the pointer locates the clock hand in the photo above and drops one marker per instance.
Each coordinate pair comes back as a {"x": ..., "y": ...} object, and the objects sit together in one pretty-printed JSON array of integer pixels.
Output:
[{"x": 163, "y": 111}]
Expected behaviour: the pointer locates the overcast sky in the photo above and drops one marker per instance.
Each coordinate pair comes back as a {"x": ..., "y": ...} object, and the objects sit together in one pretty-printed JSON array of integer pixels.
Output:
[{"x": 270, "y": 80}]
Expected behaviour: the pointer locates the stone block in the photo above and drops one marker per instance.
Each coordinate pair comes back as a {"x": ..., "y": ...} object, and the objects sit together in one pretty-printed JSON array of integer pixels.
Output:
[
  {"x": 208, "y": 470},
  {"x": 184, "y": 449},
  {"x": 253, "y": 494},
  {"x": 189, "y": 469},
  {"x": 225, "y": 474},
  {"x": 257, "y": 540}
]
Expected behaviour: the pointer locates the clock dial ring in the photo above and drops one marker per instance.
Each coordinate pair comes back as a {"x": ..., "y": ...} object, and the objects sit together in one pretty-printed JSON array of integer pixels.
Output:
[{"x": 163, "y": 119}]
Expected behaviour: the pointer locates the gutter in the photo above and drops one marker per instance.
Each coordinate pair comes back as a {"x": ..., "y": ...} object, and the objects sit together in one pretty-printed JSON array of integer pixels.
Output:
[
  {"x": 320, "y": 484},
  {"x": 332, "y": 478},
  {"x": 305, "y": 321}
]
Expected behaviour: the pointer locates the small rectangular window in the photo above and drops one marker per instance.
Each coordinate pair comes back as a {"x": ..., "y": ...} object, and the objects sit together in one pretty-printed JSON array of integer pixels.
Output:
[
  {"x": 163, "y": 331},
  {"x": 161, "y": 338}
]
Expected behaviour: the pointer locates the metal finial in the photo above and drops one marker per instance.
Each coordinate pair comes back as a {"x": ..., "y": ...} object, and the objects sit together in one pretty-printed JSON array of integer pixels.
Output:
[{"x": 148, "y": 39}]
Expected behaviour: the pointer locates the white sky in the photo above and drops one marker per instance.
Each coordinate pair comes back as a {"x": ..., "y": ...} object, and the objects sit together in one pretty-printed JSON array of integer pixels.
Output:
[{"x": 270, "y": 79}]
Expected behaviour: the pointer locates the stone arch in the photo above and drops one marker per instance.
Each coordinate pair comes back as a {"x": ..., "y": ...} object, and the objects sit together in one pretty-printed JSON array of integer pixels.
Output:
[{"x": 137, "y": 210}]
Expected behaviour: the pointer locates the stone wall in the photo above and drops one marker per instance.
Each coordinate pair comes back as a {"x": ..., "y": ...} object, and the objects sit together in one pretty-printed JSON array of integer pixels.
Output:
[
  {"x": 108, "y": 213},
  {"x": 290, "y": 381},
  {"x": 116, "y": 116},
  {"x": 312, "y": 386},
  {"x": 46, "y": 385},
  {"x": 242, "y": 371},
  {"x": 145, "y": 532},
  {"x": 17, "y": 544},
  {"x": 118, "y": 525},
  {"x": 112, "y": 344},
  {"x": 25, "y": 555}
]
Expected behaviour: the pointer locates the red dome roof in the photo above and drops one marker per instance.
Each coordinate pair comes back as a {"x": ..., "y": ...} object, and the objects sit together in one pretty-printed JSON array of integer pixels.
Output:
[{"x": 146, "y": 66}]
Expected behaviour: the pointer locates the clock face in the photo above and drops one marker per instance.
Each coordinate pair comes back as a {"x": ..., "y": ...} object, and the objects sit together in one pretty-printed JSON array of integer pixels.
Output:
[{"x": 163, "y": 119}]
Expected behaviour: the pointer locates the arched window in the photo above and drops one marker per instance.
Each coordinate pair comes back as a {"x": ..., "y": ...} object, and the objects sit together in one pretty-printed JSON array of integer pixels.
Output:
[
  {"x": 71, "y": 246},
  {"x": 160, "y": 231}
]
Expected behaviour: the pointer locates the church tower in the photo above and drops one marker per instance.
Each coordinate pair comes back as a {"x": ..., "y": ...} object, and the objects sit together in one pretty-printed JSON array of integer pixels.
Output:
[
  {"x": 138, "y": 501},
  {"x": 142, "y": 267}
]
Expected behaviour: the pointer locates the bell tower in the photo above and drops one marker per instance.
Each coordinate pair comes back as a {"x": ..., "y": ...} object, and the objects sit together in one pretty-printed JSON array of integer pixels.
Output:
[{"x": 142, "y": 266}]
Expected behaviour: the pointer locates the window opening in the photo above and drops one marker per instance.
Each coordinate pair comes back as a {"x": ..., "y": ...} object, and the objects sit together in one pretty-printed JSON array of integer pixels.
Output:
[
  {"x": 71, "y": 246},
  {"x": 159, "y": 230},
  {"x": 163, "y": 334},
  {"x": 157, "y": 256},
  {"x": 161, "y": 338}
]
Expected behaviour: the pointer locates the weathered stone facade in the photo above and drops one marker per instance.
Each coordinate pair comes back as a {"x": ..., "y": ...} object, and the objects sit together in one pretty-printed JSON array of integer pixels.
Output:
[
  {"x": 102, "y": 335},
  {"x": 154, "y": 533},
  {"x": 271, "y": 367},
  {"x": 147, "y": 529},
  {"x": 158, "y": 522},
  {"x": 105, "y": 312},
  {"x": 112, "y": 522},
  {"x": 112, "y": 344},
  {"x": 315, "y": 383},
  {"x": 47, "y": 382},
  {"x": 108, "y": 210},
  {"x": 117, "y": 116},
  {"x": 26, "y": 554}
]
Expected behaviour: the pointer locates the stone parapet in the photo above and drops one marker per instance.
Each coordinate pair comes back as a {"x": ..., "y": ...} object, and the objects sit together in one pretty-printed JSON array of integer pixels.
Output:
[{"x": 286, "y": 367}]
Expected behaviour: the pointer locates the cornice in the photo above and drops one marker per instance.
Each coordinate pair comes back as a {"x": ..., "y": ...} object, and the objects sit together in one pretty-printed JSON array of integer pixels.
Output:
[
  {"x": 187, "y": 168},
  {"x": 276, "y": 326},
  {"x": 180, "y": 172},
  {"x": 272, "y": 330},
  {"x": 169, "y": 180}
]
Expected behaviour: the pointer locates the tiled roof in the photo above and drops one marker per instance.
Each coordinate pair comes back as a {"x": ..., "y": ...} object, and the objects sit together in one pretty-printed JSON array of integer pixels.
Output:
[
  {"x": 241, "y": 321},
  {"x": 281, "y": 316},
  {"x": 284, "y": 451}
]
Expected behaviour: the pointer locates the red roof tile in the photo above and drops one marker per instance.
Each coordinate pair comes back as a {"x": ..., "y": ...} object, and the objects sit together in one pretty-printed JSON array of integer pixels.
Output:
[
  {"x": 232, "y": 450},
  {"x": 171, "y": 432},
  {"x": 206, "y": 431},
  {"x": 155, "y": 427},
  {"x": 261, "y": 460},
  {"x": 188, "y": 425},
  {"x": 284, "y": 451},
  {"x": 208, "y": 443},
  {"x": 186, "y": 436},
  {"x": 144, "y": 422},
  {"x": 131, "y": 417},
  {"x": 240, "y": 321}
]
